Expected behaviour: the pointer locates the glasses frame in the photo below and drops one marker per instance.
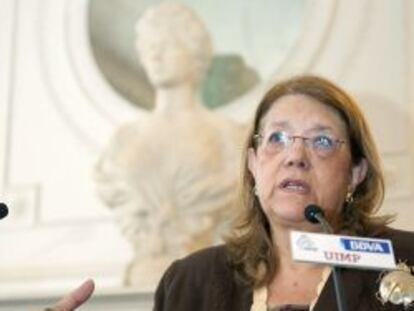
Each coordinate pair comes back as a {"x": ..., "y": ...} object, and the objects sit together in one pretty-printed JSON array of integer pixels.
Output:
[{"x": 259, "y": 138}]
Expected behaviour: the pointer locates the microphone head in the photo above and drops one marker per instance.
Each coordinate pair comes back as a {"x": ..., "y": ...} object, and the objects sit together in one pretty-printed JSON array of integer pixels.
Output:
[
  {"x": 311, "y": 211},
  {"x": 4, "y": 210}
]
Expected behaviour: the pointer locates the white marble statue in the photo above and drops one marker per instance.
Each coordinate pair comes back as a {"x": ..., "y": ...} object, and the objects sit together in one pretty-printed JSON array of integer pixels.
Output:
[{"x": 171, "y": 177}]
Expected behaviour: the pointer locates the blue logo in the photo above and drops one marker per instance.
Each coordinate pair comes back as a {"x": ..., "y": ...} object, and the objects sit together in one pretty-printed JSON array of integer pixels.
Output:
[{"x": 368, "y": 246}]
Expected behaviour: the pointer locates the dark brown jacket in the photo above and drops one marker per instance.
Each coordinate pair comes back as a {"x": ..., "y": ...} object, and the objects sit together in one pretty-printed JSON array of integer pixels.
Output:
[{"x": 204, "y": 281}]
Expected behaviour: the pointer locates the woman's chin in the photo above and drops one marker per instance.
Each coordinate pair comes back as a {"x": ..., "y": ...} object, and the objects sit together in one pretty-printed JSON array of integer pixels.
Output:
[
  {"x": 291, "y": 214},
  {"x": 289, "y": 218}
]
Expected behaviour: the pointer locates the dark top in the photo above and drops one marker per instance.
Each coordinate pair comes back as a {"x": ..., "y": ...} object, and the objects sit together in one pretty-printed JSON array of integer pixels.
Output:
[
  {"x": 204, "y": 281},
  {"x": 289, "y": 308}
]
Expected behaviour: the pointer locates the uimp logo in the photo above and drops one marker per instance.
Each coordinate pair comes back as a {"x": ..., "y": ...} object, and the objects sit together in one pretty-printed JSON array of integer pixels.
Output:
[
  {"x": 341, "y": 257},
  {"x": 304, "y": 242},
  {"x": 369, "y": 246}
]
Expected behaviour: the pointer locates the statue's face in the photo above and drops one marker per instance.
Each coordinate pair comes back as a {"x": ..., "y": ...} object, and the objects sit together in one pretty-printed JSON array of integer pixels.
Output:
[{"x": 166, "y": 60}]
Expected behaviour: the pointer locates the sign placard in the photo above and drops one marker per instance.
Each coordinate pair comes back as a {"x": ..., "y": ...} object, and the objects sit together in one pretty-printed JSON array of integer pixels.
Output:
[{"x": 342, "y": 250}]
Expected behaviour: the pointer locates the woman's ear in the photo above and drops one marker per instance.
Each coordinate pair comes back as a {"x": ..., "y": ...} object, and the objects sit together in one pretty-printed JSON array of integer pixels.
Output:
[
  {"x": 358, "y": 174},
  {"x": 251, "y": 161}
]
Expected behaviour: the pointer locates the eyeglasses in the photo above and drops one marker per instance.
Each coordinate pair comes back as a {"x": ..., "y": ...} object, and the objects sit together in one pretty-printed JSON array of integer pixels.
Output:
[{"x": 322, "y": 145}]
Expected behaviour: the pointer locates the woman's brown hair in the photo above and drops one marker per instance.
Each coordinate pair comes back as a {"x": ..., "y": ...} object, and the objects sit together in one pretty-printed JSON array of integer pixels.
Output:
[{"x": 250, "y": 246}]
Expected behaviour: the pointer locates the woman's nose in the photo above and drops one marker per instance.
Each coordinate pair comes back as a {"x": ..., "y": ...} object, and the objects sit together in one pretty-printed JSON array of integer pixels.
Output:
[
  {"x": 300, "y": 163},
  {"x": 297, "y": 155}
]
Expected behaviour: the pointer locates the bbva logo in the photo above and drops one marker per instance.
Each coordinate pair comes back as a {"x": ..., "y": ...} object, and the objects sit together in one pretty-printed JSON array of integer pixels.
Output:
[{"x": 366, "y": 246}]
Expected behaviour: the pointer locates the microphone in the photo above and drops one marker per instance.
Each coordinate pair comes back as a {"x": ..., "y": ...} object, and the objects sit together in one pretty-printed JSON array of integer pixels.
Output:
[
  {"x": 312, "y": 211},
  {"x": 314, "y": 214},
  {"x": 4, "y": 210}
]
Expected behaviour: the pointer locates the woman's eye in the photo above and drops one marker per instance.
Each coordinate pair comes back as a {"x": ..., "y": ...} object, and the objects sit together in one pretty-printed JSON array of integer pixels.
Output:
[
  {"x": 277, "y": 137},
  {"x": 323, "y": 141}
]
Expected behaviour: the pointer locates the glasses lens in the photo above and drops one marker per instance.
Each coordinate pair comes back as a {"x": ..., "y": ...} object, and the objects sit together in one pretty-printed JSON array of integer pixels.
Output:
[
  {"x": 276, "y": 141},
  {"x": 324, "y": 145}
]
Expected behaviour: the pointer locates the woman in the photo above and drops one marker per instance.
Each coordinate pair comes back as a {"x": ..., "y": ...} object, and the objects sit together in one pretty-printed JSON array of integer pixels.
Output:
[{"x": 309, "y": 144}]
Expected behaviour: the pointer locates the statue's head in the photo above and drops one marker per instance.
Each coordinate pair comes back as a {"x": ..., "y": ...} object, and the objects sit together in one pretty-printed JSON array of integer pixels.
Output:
[{"x": 173, "y": 44}]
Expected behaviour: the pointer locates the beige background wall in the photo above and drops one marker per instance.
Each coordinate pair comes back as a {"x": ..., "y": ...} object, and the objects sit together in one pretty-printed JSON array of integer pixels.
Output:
[{"x": 57, "y": 112}]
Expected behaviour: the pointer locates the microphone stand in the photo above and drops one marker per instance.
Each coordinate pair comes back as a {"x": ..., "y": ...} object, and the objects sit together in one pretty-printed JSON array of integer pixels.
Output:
[{"x": 339, "y": 289}]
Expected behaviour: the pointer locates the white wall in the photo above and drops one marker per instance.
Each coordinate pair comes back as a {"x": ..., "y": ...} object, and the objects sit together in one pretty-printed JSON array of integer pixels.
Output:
[{"x": 56, "y": 113}]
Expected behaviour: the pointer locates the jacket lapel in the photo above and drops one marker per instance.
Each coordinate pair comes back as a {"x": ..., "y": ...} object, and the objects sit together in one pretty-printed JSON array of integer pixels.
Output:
[{"x": 353, "y": 286}]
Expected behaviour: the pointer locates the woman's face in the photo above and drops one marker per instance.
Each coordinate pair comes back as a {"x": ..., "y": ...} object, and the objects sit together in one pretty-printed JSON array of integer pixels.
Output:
[
  {"x": 165, "y": 59},
  {"x": 319, "y": 170}
]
